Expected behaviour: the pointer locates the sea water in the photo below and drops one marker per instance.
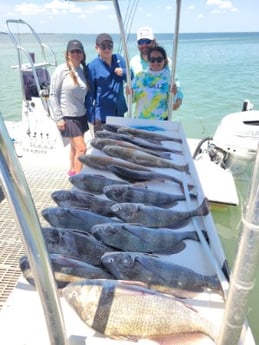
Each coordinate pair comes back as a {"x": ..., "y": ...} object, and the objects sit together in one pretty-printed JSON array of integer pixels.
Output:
[{"x": 217, "y": 71}]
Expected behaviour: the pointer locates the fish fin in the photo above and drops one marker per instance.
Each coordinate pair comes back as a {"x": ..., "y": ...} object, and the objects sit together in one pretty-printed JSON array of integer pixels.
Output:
[
  {"x": 173, "y": 250},
  {"x": 205, "y": 234},
  {"x": 168, "y": 204},
  {"x": 181, "y": 224},
  {"x": 145, "y": 261}
]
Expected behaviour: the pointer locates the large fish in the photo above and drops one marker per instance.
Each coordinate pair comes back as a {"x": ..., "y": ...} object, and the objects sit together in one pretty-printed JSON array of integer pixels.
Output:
[
  {"x": 131, "y": 193},
  {"x": 83, "y": 200},
  {"x": 72, "y": 218},
  {"x": 66, "y": 270},
  {"x": 113, "y": 135},
  {"x": 150, "y": 135},
  {"x": 99, "y": 143},
  {"x": 135, "y": 238},
  {"x": 81, "y": 246},
  {"x": 122, "y": 310},
  {"x": 93, "y": 183},
  {"x": 133, "y": 176},
  {"x": 150, "y": 145},
  {"x": 142, "y": 158},
  {"x": 156, "y": 217},
  {"x": 102, "y": 162},
  {"x": 160, "y": 274}
]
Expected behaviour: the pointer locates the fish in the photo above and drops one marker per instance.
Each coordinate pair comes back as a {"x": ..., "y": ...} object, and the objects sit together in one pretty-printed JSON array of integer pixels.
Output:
[
  {"x": 151, "y": 145},
  {"x": 72, "y": 218},
  {"x": 102, "y": 162},
  {"x": 132, "y": 176},
  {"x": 83, "y": 200},
  {"x": 144, "y": 134},
  {"x": 66, "y": 270},
  {"x": 79, "y": 245},
  {"x": 160, "y": 274},
  {"x": 122, "y": 310},
  {"x": 93, "y": 183},
  {"x": 131, "y": 193},
  {"x": 113, "y": 135},
  {"x": 136, "y": 238},
  {"x": 142, "y": 158},
  {"x": 99, "y": 143},
  {"x": 156, "y": 217}
]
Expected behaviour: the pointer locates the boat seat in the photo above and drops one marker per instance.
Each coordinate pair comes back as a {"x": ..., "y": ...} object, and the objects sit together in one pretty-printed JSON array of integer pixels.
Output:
[{"x": 29, "y": 83}]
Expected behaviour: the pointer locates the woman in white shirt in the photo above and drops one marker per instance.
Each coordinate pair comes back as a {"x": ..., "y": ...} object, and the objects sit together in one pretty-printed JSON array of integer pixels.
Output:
[{"x": 68, "y": 90}]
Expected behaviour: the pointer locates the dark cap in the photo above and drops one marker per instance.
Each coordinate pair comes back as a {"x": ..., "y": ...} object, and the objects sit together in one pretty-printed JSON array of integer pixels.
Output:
[
  {"x": 103, "y": 37},
  {"x": 74, "y": 44}
]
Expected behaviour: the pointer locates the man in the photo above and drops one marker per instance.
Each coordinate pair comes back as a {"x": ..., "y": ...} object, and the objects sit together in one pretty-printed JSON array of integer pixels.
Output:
[
  {"x": 145, "y": 40},
  {"x": 139, "y": 63}
]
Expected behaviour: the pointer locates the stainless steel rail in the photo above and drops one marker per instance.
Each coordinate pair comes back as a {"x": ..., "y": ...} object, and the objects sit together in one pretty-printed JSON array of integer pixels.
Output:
[
  {"x": 19, "y": 197},
  {"x": 244, "y": 271}
]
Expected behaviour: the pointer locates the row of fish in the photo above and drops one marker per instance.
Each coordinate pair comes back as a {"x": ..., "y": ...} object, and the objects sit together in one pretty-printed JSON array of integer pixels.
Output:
[{"x": 109, "y": 241}]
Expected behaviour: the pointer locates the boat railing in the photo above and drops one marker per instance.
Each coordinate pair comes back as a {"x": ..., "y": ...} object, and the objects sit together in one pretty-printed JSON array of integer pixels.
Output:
[
  {"x": 33, "y": 75},
  {"x": 18, "y": 195}
]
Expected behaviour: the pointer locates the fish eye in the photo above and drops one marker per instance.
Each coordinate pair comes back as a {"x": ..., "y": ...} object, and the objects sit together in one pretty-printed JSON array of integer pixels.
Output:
[{"x": 111, "y": 260}]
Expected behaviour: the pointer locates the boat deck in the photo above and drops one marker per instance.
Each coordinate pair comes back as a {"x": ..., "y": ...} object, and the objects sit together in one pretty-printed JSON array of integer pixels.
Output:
[{"x": 42, "y": 181}]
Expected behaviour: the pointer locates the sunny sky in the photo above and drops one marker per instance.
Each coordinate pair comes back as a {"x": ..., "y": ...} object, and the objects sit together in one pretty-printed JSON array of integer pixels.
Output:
[{"x": 60, "y": 16}]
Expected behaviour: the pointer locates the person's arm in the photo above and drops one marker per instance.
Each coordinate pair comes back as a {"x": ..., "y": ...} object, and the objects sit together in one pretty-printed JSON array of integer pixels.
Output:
[
  {"x": 55, "y": 96},
  {"x": 178, "y": 94}
]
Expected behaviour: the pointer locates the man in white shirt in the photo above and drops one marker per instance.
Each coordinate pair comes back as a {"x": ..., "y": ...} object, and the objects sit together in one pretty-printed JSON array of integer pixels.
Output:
[{"x": 145, "y": 40}]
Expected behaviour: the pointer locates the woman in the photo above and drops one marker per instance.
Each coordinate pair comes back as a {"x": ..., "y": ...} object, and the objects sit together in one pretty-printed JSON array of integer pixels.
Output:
[
  {"x": 151, "y": 88},
  {"x": 107, "y": 73},
  {"x": 68, "y": 90}
]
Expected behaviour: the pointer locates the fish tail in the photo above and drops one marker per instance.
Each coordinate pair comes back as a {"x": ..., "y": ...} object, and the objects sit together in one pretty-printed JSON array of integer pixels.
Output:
[{"x": 203, "y": 209}]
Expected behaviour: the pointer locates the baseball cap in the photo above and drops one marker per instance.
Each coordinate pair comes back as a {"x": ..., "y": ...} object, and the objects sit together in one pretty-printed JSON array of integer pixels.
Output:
[
  {"x": 145, "y": 32},
  {"x": 103, "y": 37},
  {"x": 74, "y": 44}
]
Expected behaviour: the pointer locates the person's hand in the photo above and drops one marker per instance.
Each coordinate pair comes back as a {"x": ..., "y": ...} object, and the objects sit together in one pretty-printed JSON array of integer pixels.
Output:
[
  {"x": 61, "y": 124},
  {"x": 118, "y": 71},
  {"x": 129, "y": 91},
  {"x": 174, "y": 89},
  {"x": 97, "y": 125},
  {"x": 177, "y": 104}
]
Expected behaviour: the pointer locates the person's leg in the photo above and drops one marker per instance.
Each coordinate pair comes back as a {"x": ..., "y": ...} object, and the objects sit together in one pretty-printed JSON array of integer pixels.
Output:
[
  {"x": 78, "y": 148},
  {"x": 72, "y": 157}
]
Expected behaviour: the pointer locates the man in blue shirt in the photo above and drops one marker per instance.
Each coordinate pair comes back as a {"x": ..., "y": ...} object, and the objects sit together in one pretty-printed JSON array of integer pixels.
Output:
[{"x": 106, "y": 73}]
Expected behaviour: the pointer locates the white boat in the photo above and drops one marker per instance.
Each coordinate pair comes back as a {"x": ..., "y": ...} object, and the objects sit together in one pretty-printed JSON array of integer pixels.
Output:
[
  {"x": 234, "y": 145},
  {"x": 22, "y": 321},
  {"x": 35, "y": 133}
]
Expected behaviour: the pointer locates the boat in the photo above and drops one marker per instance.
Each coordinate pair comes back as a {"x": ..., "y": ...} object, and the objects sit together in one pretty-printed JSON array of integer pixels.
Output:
[
  {"x": 35, "y": 134},
  {"x": 234, "y": 144},
  {"x": 40, "y": 314}
]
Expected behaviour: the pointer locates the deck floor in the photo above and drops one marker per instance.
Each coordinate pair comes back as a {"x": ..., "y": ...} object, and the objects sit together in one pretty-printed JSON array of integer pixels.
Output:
[{"x": 42, "y": 181}]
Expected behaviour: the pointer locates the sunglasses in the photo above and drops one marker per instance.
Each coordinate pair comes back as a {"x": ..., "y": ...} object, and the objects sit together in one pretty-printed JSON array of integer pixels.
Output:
[
  {"x": 154, "y": 59},
  {"x": 144, "y": 41},
  {"x": 104, "y": 46},
  {"x": 76, "y": 51}
]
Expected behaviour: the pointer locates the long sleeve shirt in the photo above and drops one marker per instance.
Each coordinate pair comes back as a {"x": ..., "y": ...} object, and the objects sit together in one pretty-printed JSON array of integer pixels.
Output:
[
  {"x": 106, "y": 95},
  {"x": 66, "y": 97}
]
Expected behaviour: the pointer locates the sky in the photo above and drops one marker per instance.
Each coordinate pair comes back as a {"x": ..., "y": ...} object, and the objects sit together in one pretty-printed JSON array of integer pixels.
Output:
[{"x": 61, "y": 16}]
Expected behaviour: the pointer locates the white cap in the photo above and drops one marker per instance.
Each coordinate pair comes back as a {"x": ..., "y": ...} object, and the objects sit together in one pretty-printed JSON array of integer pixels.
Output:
[{"x": 145, "y": 32}]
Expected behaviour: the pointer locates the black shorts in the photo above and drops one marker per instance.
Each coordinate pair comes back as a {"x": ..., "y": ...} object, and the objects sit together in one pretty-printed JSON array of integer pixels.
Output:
[{"x": 75, "y": 126}]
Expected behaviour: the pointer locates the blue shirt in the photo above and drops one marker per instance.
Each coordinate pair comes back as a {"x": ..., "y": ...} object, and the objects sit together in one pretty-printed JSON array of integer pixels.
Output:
[{"x": 106, "y": 93}]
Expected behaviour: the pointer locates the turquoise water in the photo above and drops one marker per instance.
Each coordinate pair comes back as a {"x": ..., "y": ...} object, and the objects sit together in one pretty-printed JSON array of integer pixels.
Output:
[{"x": 217, "y": 72}]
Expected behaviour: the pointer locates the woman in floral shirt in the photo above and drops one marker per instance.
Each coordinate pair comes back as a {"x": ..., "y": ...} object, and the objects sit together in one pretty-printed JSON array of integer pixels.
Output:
[{"x": 151, "y": 89}]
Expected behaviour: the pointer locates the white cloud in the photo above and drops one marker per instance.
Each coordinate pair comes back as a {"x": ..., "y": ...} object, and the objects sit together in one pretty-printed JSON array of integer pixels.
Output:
[
  {"x": 58, "y": 7},
  {"x": 222, "y": 5}
]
